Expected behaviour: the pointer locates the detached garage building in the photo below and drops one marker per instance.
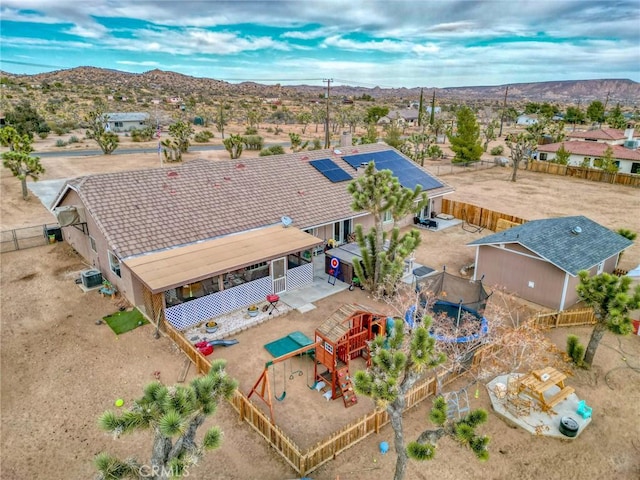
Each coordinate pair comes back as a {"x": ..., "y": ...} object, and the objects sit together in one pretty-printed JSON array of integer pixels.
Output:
[{"x": 540, "y": 260}]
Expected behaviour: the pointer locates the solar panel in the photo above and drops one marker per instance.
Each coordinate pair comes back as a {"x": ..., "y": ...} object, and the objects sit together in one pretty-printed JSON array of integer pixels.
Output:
[
  {"x": 408, "y": 174},
  {"x": 330, "y": 170}
]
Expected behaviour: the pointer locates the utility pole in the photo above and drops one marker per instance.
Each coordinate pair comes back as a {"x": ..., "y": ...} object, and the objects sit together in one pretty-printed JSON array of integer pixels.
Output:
[
  {"x": 504, "y": 108},
  {"x": 327, "y": 142}
]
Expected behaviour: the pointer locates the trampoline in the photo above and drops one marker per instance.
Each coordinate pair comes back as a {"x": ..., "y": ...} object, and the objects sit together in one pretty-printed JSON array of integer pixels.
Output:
[{"x": 287, "y": 344}]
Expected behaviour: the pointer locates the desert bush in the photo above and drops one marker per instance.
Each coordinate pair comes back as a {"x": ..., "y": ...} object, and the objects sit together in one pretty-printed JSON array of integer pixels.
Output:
[
  {"x": 61, "y": 143},
  {"x": 253, "y": 142},
  {"x": 73, "y": 139},
  {"x": 434, "y": 151},
  {"x": 315, "y": 145},
  {"x": 269, "y": 129},
  {"x": 272, "y": 150},
  {"x": 43, "y": 135},
  {"x": 142, "y": 135},
  {"x": 250, "y": 131},
  {"x": 575, "y": 350},
  {"x": 203, "y": 136},
  {"x": 277, "y": 130},
  {"x": 499, "y": 150}
]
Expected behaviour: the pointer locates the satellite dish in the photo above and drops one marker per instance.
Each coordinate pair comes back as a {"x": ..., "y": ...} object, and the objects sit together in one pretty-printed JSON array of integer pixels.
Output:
[{"x": 286, "y": 221}]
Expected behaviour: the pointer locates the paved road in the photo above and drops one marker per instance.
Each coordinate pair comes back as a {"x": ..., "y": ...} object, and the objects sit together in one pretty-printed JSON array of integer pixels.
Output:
[{"x": 125, "y": 151}]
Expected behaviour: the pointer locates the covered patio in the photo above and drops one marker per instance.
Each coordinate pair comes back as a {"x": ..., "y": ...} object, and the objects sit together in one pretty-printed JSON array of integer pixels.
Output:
[{"x": 212, "y": 278}]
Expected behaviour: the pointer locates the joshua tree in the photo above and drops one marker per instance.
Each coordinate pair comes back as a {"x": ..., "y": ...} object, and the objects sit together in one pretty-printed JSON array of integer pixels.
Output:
[
  {"x": 397, "y": 363},
  {"x": 234, "y": 145},
  {"x": 611, "y": 301},
  {"x": 380, "y": 193},
  {"x": 181, "y": 131},
  {"x": 521, "y": 147},
  {"x": 18, "y": 158},
  {"x": 98, "y": 129},
  {"x": 173, "y": 415}
]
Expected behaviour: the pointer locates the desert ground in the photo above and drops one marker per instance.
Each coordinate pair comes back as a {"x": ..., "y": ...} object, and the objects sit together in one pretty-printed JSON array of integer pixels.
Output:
[{"x": 60, "y": 370}]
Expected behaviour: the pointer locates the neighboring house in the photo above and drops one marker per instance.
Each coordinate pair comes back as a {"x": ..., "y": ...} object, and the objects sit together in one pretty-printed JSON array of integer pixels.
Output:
[
  {"x": 126, "y": 121},
  {"x": 585, "y": 153},
  {"x": 527, "y": 119},
  {"x": 612, "y": 136},
  {"x": 539, "y": 261},
  {"x": 408, "y": 117},
  {"x": 174, "y": 100},
  {"x": 211, "y": 232}
]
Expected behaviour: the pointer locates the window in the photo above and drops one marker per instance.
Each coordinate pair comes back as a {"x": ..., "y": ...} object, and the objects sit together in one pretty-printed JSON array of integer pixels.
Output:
[
  {"x": 114, "y": 264},
  {"x": 543, "y": 157},
  {"x": 328, "y": 347},
  {"x": 600, "y": 268},
  {"x": 387, "y": 217},
  {"x": 118, "y": 124},
  {"x": 256, "y": 266},
  {"x": 92, "y": 244},
  {"x": 635, "y": 167}
]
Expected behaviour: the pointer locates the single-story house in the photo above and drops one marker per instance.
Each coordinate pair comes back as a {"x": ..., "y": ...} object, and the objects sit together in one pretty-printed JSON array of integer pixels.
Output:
[
  {"x": 527, "y": 119},
  {"x": 582, "y": 153},
  {"x": 204, "y": 238},
  {"x": 540, "y": 260},
  {"x": 612, "y": 136},
  {"x": 407, "y": 116},
  {"x": 125, "y": 121}
]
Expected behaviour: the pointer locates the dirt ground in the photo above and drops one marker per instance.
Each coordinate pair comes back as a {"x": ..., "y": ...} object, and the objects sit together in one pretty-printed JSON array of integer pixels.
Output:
[{"x": 60, "y": 370}]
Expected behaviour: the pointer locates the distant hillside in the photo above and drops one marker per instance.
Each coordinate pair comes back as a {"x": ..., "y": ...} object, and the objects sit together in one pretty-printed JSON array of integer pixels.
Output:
[{"x": 163, "y": 83}]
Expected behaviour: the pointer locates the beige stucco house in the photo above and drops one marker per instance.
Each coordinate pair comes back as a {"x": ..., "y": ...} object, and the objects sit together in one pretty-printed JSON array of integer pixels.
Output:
[
  {"x": 540, "y": 260},
  {"x": 201, "y": 239}
]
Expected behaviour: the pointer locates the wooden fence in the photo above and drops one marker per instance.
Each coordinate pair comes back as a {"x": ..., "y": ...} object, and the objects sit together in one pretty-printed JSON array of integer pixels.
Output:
[
  {"x": 592, "y": 174},
  {"x": 481, "y": 217},
  {"x": 566, "y": 318},
  {"x": 304, "y": 462}
]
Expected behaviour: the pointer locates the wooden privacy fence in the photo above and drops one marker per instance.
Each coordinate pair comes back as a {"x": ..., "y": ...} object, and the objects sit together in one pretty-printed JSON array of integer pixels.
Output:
[
  {"x": 304, "y": 462},
  {"x": 592, "y": 174},
  {"x": 567, "y": 318},
  {"x": 482, "y": 217}
]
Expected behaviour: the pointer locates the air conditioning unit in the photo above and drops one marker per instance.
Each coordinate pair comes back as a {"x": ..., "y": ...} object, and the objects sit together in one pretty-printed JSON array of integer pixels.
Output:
[
  {"x": 632, "y": 144},
  {"x": 91, "y": 278}
]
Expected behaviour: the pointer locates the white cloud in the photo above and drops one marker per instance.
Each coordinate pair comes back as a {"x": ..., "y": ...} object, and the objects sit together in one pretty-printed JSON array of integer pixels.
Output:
[{"x": 142, "y": 64}]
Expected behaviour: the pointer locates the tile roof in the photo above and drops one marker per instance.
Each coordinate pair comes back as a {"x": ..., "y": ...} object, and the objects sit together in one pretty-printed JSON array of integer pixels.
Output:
[
  {"x": 592, "y": 149},
  {"x": 149, "y": 210},
  {"x": 601, "y": 134},
  {"x": 553, "y": 239}
]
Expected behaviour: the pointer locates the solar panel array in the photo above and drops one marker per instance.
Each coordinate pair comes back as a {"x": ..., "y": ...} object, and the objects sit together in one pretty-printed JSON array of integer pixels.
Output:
[
  {"x": 408, "y": 174},
  {"x": 330, "y": 170}
]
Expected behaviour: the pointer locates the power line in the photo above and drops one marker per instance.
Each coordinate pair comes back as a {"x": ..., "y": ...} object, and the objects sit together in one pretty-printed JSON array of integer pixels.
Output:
[{"x": 327, "y": 140}]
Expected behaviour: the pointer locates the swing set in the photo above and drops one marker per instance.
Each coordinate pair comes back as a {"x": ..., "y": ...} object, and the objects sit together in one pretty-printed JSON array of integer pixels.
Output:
[{"x": 262, "y": 387}]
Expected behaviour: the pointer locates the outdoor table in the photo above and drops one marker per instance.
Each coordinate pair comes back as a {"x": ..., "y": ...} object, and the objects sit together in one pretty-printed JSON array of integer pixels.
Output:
[{"x": 540, "y": 381}]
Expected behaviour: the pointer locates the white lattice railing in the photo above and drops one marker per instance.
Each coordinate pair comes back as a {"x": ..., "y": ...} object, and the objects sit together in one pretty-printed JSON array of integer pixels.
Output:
[
  {"x": 300, "y": 276},
  {"x": 196, "y": 311}
]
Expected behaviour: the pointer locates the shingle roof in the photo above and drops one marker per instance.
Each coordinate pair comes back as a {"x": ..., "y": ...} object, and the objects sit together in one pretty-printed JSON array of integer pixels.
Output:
[
  {"x": 127, "y": 116},
  {"x": 592, "y": 149},
  {"x": 149, "y": 210},
  {"x": 554, "y": 240}
]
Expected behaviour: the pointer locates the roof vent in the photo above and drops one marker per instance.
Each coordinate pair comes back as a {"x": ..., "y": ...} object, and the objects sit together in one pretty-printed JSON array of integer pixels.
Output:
[
  {"x": 172, "y": 174},
  {"x": 286, "y": 221},
  {"x": 240, "y": 166},
  {"x": 576, "y": 230}
]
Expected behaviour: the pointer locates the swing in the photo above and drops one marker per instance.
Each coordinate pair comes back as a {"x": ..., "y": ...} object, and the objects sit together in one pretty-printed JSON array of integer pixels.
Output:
[{"x": 282, "y": 396}]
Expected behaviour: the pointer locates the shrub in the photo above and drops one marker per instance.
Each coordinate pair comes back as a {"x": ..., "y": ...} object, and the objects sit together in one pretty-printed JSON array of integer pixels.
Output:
[
  {"x": 60, "y": 130},
  {"x": 142, "y": 135},
  {"x": 272, "y": 150},
  {"x": 203, "y": 136},
  {"x": 434, "y": 151},
  {"x": 43, "y": 135},
  {"x": 499, "y": 150},
  {"x": 316, "y": 145},
  {"x": 575, "y": 350},
  {"x": 253, "y": 142},
  {"x": 269, "y": 129},
  {"x": 251, "y": 131},
  {"x": 61, "y": 143},
  {"x": 73, "y": 139}
]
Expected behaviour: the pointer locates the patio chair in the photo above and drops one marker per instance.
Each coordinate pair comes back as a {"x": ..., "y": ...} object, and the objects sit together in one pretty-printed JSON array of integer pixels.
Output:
[{"x": 583, "y": 409}]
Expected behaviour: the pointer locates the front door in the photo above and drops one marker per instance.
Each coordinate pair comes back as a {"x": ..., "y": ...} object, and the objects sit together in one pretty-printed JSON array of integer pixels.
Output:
[{"x": 279, "y": 275}]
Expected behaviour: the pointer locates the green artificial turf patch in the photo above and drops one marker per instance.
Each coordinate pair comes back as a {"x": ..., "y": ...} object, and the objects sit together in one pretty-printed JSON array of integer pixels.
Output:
[{"x": 122, "y": 322}]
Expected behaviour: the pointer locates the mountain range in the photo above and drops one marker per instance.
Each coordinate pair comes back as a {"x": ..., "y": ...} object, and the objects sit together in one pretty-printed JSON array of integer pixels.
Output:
[{"x": 165, "y": 83}]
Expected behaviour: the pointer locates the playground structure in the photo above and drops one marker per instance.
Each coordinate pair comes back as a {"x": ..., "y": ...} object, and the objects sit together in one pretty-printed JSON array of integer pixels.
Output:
[
  {"x": 341, "y": 338},
  {"x": 444, "y": 287}
]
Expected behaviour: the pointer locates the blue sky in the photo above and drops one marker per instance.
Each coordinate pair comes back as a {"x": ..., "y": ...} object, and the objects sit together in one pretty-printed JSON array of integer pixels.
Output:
[{"x": 391, "y": 43}]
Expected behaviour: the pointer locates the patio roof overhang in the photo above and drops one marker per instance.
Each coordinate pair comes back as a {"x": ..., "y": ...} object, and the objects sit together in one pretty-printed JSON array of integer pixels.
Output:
[{"x": 179, "y": 266}]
